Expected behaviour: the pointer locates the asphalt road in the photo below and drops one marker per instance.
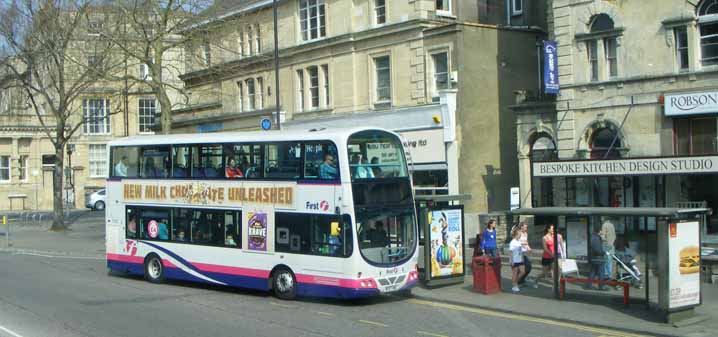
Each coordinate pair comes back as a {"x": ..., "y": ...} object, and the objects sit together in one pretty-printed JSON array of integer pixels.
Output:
[
  {"x": 51, "y": 296},
  {"x": 72, "y": 294}
]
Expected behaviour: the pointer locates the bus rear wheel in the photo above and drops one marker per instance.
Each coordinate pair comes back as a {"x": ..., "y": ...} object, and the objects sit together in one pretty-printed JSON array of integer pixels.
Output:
[
  {"x": 284, "y": 284},
  {"x": 154, "y": 270}
]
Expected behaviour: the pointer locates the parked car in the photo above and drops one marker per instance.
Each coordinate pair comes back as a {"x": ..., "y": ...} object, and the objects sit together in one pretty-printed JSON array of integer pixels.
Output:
[{"x": 96, "y": 201}]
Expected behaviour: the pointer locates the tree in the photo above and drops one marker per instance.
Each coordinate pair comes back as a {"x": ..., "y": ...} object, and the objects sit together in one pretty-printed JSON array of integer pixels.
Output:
[
  {"x": 164, "y": 36},
  {"x": 151, "y": 37},
  {"x": 49, "y": 49}
]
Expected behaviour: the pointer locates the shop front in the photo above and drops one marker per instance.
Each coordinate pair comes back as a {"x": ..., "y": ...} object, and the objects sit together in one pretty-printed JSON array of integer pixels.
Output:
[
  {"x": 428, "y": 133},
  {"x": 677, "y": 182}
]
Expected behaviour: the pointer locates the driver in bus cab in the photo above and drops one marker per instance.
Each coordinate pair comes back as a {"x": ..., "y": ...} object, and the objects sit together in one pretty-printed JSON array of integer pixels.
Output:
[{"x": 328, "y": 169}]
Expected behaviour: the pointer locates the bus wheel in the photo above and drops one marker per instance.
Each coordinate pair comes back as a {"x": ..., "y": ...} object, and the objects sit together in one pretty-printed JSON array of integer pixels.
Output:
[
  {"x": 284, "y": 284},
  {"x": 154, "y": 271}
]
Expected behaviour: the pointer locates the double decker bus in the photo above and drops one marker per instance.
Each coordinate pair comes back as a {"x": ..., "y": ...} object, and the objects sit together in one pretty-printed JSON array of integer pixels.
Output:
[{"x": 314, "y": 213}]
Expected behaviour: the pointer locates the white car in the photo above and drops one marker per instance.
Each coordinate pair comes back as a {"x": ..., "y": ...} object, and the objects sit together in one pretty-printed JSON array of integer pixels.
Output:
[{"x": 96, "y": 201}]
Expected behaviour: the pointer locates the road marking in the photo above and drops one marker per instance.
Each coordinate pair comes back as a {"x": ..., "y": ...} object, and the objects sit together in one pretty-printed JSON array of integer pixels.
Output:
[
  {"x": 10, "y": 332},
  {"x": 526, "y": 318},
  {"x": 373, "y": 323},
  {"x": 282, "y": 305},
  {"x": 60, "y": 256},
  {"x": 324, "y": 313},
  {"x": 430, "y": 334}
]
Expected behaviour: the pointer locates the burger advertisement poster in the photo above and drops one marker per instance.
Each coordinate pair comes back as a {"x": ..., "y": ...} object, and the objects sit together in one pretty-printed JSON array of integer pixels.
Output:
[
  {"x": 684, "y": 264},
  {"x": 446, "y": 234}
]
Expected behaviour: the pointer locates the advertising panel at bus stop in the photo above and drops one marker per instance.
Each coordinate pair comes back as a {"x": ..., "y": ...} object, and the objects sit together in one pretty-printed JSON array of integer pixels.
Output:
[
  {"x": 684, "y": 265},
  {"x": 445, "y": 233}
]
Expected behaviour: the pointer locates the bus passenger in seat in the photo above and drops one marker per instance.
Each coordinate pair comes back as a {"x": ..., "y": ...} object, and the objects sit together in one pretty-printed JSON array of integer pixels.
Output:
[
  {"x": 163, "y": 231},
  {"x": 232, "y": 171},
  {"x": 121, "y": 167},
  {"x": 328, "y": 170}
]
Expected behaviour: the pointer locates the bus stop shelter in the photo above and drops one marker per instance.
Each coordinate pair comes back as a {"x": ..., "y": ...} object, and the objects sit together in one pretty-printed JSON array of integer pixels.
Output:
[{"x": 669, "y": 229}]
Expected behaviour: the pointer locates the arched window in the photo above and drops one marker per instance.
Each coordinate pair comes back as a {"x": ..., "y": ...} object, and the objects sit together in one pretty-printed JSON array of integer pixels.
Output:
[
  {"x": 603, "y": 33},
  {"x": 601, "y": 141},
  {"x": 708, "y": 28},
  {"x": 601, "y": 23},
  {"x": 543, "y": 148}
]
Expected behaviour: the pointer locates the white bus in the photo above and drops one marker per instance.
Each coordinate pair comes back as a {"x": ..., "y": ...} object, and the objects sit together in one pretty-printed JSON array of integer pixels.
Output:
[{"x": 316, "y": 213}]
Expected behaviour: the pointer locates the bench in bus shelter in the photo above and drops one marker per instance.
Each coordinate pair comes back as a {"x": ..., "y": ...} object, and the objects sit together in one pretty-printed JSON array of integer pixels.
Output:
[{"x": 562, "y": 288}]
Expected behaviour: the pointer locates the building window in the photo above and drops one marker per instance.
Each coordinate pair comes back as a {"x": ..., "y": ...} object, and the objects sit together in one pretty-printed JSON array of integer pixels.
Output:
[
  {"x": 5, "y": 169},
  {"x": 609, "y": 46},
  {"x": 312, "y": 17},
  {"x": 24, "y": 167},
  {"x": 240, "y": 43},
  {"x": 695, "y": 136},
  {"x": 260, "y": 92},
  {"x": 681, "y": 37},
  {"x": 94, "y": 62},
  {"x": 605, "y": 143},
  {"x": 543, "y": 148},
  {"x": 441, "y": 73},
  {"x": 206, "y": 53},
  {"x": 258, "y": 39},
  {"x": 443, "y": 6},
  {"x": 98, "y": 160},
  {"x": 517, "y": 7},
  {"x": 147, "y": 113},
  {"x": 97, "y": 116},
  {"x": 380, "y": 12},
  {"x": 592, "y": 47},
  {"x": 240, "y": 97},
  {"x": 300, "y": 90},
  {"x": 250, "y": 94},
  {"x": 325, "y": 73},
  {"x": 313, "y": 86},
  {"x": 382, "y": 66},
  {"x": 250, "y": 40},
  {"x": 145, "y": 72},
  {"x": 48, "y": 160},
  {"x": 601, "y": 25},
  {"x": 708, "y": 27}
]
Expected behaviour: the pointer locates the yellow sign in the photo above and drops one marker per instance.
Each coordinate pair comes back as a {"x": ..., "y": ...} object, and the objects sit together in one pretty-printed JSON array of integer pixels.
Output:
[{"x": 204, "y": 193}]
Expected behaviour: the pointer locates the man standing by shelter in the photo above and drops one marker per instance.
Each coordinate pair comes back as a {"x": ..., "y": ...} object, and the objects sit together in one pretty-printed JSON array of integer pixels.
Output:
[{"x": 608, "y": 237}]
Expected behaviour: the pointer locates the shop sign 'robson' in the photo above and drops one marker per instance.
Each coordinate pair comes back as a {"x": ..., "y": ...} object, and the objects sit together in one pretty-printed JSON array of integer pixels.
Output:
[{"x": 635, "y": 166}]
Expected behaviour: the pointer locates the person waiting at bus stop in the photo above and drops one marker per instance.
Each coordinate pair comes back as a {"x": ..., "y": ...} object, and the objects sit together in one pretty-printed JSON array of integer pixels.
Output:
[
  {"x": 517, "y": 259},
  {"x": 488, "y": 239},
  {"x": 524, "y": 239},
  {"x": 597, "y": 259}
]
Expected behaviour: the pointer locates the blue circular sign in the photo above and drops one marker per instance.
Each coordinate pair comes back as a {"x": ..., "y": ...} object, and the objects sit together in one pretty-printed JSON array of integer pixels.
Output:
[{"x": 266, "y": 124}]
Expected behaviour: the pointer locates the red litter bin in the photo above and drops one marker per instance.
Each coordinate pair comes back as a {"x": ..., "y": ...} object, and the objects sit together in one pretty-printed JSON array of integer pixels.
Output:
[{"x": 487, "y": 274}]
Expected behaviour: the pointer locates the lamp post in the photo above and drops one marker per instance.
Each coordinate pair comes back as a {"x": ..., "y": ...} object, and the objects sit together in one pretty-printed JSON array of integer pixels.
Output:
[
  {"x": 276, "y": 64},
  {"x": 71, "y": 186}
]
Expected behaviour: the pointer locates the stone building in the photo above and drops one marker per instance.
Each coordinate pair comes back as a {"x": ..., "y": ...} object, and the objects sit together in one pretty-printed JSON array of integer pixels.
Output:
[
  {"x": 111, "y": 109},
  {"x": 634, "y": 124},
  {"x": 441, "y": 73}
]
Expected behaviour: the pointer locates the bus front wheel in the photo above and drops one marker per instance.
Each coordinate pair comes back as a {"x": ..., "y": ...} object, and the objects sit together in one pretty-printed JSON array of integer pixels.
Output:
[
  {"x": 154, "y": 270},
  {"x": 284, "y": 284}
]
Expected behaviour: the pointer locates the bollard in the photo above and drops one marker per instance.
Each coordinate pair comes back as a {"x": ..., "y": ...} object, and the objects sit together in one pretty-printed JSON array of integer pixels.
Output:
[{"x": 7, "y": 231}]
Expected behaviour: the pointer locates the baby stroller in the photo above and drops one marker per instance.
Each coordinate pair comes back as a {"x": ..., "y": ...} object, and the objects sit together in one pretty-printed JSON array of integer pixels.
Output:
[{"x": 627, "y": 269}]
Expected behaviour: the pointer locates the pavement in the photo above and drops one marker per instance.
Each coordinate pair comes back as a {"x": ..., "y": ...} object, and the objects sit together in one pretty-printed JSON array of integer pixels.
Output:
[{"x": 602, "y": 310}]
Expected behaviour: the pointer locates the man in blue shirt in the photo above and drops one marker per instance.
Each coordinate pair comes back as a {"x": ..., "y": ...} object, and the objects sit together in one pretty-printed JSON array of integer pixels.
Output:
[{"x": 328, "y": 170}]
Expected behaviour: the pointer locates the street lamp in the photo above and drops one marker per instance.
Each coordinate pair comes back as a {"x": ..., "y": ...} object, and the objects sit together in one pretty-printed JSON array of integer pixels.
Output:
[
  {"x": 70, "y": 185},
  {"x": 276, "y": 64}
]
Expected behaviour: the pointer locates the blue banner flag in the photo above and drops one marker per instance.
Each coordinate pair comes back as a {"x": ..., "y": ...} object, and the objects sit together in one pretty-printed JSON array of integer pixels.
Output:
[{"x": 550, "y": 67}]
